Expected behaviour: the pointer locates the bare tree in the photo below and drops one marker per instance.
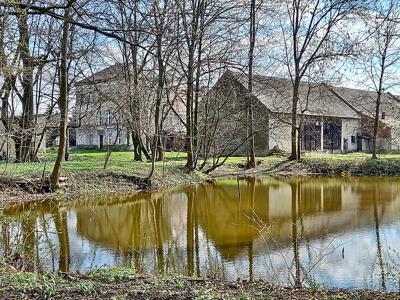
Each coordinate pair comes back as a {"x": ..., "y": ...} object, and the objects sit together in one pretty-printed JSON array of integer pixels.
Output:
[
  {"x": 251, "y": 160},
  {"x": 309, "y": 38},
  {"x": 63, "y": 101},
  {"x": 381, "y": 59}
]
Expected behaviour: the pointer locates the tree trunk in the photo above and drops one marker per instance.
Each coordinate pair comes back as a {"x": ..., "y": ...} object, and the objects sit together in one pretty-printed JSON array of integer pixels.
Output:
[
  {"x": 250, "y": 129},
  {"x": 26, "y": 121},
  {"x": 189, "y": 107},
  {"x": 295, "y": 100},
  {"x": 299, "y": 137},
  {"x": 63, "y": 105},
  {"x": 157, "y": 148},
  {"x": 376, "y": 126},
  {"x": 110, "y": 150},
  {"x": 378, "y": 102},
  {"x": 137, "y": 152}
]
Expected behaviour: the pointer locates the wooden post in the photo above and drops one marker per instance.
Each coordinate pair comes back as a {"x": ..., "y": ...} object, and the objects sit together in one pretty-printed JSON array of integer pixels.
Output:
[{"x": 322, "y": 134}]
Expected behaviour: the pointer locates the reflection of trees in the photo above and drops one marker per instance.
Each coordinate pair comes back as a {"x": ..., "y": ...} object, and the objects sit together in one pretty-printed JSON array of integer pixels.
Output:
[
  {"x": 388, "y": 188},
  {"x": 296, "y": 257},
  {"x": 295, "y": 210},
  {"x": 378, "y": 242},
  {"x": 158, "y": 218},
  {"x": 228, "y": 220},
  {"x": 5, "y": 234},
  {"x": 190, "y": 232},
  {"x": 252, "y": 190},
  {"x": 136, "y": 226},
  {"x": 28, "y": 240},
  {"x": 60, "y": 222}
]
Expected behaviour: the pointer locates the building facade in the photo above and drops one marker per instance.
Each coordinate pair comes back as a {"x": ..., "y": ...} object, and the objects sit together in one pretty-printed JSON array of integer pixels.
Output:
[
  {"x": 107, "y": 115},
  {"x": 330, "y": 119}
]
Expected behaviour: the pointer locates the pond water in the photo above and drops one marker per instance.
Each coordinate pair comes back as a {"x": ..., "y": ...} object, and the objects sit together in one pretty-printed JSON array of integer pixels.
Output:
[{"x": 336, "y": 232}]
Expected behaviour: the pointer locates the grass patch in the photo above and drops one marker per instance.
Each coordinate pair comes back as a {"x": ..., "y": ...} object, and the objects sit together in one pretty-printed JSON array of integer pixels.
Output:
[
  {"x": 92, "y": 161},
  {"x": 112, "y": 274},
  {"x": 117, "y": 283},
  {"x": 47, "y": 284},
  {"x": 357, "y": 167}
]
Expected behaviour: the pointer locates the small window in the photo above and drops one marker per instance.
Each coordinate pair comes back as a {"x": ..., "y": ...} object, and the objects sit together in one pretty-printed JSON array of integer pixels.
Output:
[
  {"x": 109, "y": 118},
  {"x": 353, "y": 139},
  {"x": 383, "y": 116}
]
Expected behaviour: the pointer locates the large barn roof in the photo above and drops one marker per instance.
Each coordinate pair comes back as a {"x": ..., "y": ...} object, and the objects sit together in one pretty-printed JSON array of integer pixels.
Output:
[
  {"x": 316, "y": 99},
  {"x": 109, "y": 73}
]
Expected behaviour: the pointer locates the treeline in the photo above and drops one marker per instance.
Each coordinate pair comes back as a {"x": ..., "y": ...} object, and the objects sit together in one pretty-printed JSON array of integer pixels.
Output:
[{"x": 47, "y": 46}]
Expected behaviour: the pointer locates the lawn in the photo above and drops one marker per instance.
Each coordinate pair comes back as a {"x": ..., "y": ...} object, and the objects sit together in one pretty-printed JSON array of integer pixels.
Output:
[
  {"x": 349, "y": 156},
  {"x": 91, "y": 161},
  {"x": 86, "y": 161},
  {"x": 81, "y": 161}
]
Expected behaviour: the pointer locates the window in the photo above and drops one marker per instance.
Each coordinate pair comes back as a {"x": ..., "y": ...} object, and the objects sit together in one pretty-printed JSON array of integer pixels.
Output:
[
  {"x": 91, "y": 139},
  {"x": 383, "y": 116},
  {"x": 353, "y": 139},
  {"x": 120, "y": 139},
  {"x": 109, "y": 117},
  {"x": 99, "y": 120}
]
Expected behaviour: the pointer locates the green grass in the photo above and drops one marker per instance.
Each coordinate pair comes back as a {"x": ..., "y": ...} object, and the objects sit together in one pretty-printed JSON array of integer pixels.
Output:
[
  {"x": 112, "y": 274},
  {"x": 92, "y": 161},
  {"x": 350, "y": 155},
  {"x": 87, "y": 161}
]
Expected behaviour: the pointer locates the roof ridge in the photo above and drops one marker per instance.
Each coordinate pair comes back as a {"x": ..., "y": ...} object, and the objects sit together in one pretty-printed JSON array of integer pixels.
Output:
[{"x": 393, "y": 96}]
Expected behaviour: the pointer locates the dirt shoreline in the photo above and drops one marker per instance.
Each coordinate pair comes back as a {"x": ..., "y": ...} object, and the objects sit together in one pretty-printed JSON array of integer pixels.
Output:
[{"x": 126, "y": 284}]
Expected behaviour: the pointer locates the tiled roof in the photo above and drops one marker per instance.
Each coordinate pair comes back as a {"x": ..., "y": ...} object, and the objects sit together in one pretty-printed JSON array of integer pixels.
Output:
[
  {"x": 109, "y": 73},
  {"x": 316, "y": 99},
  {"x": 276, "y": 94}
]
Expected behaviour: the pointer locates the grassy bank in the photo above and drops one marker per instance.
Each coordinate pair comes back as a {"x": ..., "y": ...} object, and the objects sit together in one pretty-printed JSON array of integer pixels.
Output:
[
  {"x": 121, "y": 283},
  {"x": 356, "y": 164},
  {"x": 84, "y": 173}
]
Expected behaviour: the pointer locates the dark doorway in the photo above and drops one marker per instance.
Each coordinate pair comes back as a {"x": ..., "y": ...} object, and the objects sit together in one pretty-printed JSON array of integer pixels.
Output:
[
  {"x": 311, "y": 136},
  {"x": 332, "y": 135},
  {"x": 345, "y": 145},
  {"x": 101, "y": 141},
  {"x": 359, "y": 143}
]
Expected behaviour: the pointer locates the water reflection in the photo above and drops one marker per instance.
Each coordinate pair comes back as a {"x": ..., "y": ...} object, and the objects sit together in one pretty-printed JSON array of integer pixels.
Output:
[{"x": 342, "y": 232}]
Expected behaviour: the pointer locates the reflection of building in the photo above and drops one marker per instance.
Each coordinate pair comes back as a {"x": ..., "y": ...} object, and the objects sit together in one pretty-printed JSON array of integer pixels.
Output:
[
  {"x": 232, "y": 218},
  {"x": 219, "y": 224},
  {"x": 323, "y": 206}
]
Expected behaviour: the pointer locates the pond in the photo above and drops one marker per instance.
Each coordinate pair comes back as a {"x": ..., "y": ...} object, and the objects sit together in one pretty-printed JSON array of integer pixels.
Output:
[{"x": 338, "y": 232}]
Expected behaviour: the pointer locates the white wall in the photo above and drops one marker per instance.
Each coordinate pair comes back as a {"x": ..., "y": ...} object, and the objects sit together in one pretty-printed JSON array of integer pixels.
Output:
[
  {"x": 91, "y": 136},
  {"x": 350, "y": 127},
  {"x": 279, "y": 134}
]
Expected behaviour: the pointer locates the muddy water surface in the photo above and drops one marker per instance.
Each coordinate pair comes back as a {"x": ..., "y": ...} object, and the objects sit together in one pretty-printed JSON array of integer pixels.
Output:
[{"x": 335, "y": 232}]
